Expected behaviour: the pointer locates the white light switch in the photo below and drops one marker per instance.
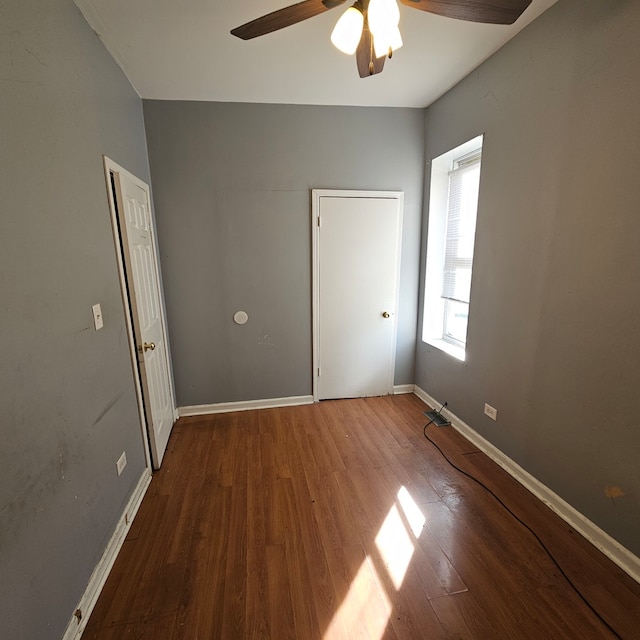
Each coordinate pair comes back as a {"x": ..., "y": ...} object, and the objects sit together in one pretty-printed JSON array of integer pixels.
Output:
[
  {"x": 122, "y": 463},
  {"x": 97, "y": 316}
]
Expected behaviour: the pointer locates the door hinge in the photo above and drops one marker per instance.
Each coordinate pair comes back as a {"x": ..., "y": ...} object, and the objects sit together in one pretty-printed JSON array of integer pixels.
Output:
[
  {"x": 318, "y": 220},
  {"x": 318, "y": 372}
]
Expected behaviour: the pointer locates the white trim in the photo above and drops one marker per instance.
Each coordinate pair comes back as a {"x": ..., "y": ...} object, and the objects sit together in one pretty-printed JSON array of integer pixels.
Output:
[
  {"x": 452, "y": 349},
  {"x": 315, "y": 291},
  {"x": 316, "y": 195},
  {"x": 625, "y": 559},
  {"x": 244, "y": 405},
  {"x": 101, "y": 572},
  {"x": 403, "y": 388}
]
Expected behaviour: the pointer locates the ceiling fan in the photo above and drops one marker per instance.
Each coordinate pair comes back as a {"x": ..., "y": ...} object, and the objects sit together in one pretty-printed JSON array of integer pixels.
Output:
[{"x": 369, "y": 28}]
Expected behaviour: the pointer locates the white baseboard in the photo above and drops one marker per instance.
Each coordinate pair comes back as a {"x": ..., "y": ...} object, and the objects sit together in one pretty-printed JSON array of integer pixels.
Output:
[
  {"x": 625, "y": 559},
  {"x": 246, "y": 405},
  {"x": 403, "y": 388},
  {"x": 101, "y": 572}
]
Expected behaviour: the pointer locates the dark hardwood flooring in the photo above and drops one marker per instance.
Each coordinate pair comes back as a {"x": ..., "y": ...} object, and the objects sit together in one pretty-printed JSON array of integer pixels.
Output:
[{"x": 340, "y": 521}]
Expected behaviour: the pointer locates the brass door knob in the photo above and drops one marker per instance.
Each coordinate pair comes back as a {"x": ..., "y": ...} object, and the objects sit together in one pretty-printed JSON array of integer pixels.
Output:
[
  {"x": 385, "y": 314},
  {"x": 149, "y": 346}
]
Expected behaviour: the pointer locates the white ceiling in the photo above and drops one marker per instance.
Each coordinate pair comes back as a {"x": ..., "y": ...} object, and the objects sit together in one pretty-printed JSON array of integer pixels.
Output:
[{"x": 182, "y": 50}]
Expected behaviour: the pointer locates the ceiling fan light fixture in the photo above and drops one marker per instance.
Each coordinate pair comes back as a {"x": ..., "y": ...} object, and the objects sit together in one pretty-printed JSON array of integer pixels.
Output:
[
  {"x": 383, "y": 17},
  {"x": 370, "y": 27},
  {"x": 348, "y": 30},
  {"x": 388, "y": 41}
]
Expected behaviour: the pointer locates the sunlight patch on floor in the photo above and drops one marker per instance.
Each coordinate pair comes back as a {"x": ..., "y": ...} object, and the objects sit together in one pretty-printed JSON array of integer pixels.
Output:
[
  {"x": 366, "y": 609},
  {"x": 395, "y": 546},
  {"x": 411, "y": 511}
]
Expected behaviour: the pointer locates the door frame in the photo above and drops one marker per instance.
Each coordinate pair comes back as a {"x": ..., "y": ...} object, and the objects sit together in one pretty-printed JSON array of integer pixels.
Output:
[
  {"x": 316, "y": 195},
  {"x": 113, "y": 167}
]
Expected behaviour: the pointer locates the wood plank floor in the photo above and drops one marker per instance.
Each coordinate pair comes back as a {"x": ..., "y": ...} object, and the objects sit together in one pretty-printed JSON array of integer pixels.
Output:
[{"x": 340, "y": 521}]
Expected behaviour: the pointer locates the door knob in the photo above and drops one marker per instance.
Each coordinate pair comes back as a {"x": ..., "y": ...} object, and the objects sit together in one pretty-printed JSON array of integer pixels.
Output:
[
  {"x": 149, "y": 346},
  {"x": 385, "y": 314}
]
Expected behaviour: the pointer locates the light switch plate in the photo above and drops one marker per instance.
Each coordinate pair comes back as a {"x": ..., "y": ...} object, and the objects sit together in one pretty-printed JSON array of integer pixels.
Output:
[
  {"x": 97, "y": 316},
  {"x": 122, "y": 463}
]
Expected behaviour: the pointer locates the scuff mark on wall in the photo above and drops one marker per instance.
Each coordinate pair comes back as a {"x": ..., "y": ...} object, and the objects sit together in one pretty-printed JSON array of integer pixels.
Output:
[
  {"x": 18, "y": 42},
  {"x": 106, "y": 410},
  {"x": 35, "y": 495},
  {"x": 267, "y": 341},
  {"x": 613, "y": 492}
]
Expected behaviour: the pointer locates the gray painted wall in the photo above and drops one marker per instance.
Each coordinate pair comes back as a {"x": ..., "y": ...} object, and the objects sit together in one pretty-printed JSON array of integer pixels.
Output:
[
  {"x": 554, "y": 336},
  {"x": 232, "y": 200},
  {"x": 67, "y": 402}
]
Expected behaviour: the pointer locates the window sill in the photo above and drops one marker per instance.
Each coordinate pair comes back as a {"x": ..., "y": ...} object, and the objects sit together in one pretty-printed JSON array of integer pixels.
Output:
[{"x": 447, "y": 347}]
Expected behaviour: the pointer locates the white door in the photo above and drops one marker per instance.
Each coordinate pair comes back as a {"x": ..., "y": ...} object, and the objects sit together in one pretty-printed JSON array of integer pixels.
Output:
[
  {"x": 143, "y": 286},
  {"x": 356, "y": 279}
]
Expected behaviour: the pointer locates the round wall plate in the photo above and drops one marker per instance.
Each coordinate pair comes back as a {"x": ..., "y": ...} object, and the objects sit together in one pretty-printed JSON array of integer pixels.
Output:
[{"x": 240, "y": 317}]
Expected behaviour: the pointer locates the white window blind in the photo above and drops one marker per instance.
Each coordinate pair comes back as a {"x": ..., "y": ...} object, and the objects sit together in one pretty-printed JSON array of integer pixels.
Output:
[{"x": 462, "y": 210}]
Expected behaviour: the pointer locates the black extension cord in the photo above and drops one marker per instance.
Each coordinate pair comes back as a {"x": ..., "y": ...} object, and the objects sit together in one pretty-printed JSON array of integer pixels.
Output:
[{"x": 523, "y": 523}]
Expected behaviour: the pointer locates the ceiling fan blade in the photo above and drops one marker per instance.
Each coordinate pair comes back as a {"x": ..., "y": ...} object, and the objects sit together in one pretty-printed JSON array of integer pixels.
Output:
[
  {"x": 488, "y": 11},
  {"x": 368, "y": 64},
  {"x": 284, "y": 18}
]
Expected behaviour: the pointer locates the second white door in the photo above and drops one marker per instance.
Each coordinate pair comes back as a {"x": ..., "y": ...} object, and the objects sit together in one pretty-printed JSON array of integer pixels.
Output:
[
  {"x": 134, "y": 213},
  {"x": 356, "y": 280}
]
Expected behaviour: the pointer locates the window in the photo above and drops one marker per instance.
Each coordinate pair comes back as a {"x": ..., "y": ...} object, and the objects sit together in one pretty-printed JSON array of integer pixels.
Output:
[{"x": 453, "y": 206}]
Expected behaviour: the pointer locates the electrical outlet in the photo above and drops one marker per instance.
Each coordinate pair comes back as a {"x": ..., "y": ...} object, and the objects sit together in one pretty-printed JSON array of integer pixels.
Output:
[
  {"x": 122, "y": 463},
  {"x": 490, "y": 411}
]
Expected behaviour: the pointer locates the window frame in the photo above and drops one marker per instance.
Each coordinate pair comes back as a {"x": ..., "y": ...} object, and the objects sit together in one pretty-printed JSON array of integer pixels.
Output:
[{"x": 436, "y": 309}]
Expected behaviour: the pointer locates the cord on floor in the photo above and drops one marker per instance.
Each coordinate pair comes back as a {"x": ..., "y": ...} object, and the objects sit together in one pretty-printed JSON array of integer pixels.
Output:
[{"x": 527, "y": 527}]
